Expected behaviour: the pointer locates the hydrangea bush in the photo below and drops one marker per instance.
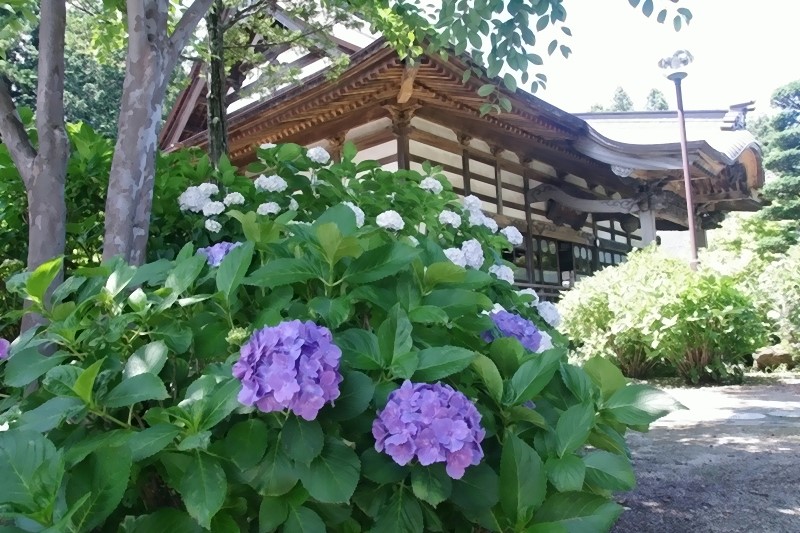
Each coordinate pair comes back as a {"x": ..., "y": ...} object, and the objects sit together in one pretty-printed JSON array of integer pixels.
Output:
[{"x": 326, "y": 367}]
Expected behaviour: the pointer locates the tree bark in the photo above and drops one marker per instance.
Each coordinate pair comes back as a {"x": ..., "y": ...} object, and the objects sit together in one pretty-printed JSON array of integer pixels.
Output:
[
  {"x": 217, "y": 87},
  {"x": 151, "y": 59}
]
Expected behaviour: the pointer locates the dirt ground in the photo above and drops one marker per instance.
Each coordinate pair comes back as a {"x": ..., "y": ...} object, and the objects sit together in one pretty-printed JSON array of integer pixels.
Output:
[{"x": 729, "y": 463}]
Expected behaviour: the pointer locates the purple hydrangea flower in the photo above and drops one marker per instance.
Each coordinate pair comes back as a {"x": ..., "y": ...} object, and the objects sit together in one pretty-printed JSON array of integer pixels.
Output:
[
  {"x": 513, "y": 325},
  {"x": 217, "y": 252},
  {"x": 293, "y": 365},
  {"x": 433, "y": 422},
  {"x": 4, "y": 345}
]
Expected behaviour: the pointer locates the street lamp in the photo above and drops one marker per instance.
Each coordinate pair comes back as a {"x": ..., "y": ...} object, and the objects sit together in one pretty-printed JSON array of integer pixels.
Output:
[{"x": 675, "y": 67}]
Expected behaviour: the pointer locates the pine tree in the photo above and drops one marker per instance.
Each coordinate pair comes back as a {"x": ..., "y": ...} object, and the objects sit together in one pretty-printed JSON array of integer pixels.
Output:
[
  {"x": 656, "y": 101},
  {"x": 621, "y": 101}
]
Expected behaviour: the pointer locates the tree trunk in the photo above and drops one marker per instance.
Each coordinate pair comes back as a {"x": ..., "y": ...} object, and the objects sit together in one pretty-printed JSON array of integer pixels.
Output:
[{"x": 217, "y": 88}]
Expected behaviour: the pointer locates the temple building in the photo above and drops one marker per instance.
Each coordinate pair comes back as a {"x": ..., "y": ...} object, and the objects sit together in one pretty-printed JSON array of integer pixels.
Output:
[{"x": 583, "y": 189}]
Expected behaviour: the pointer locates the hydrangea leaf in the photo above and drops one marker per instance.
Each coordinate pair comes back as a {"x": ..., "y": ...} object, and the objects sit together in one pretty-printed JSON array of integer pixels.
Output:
[
  {"x": 41, "y": 278},
  {"x": 136, "y": 389},
  {"x": 566, "y": 473},
  {"x": 149, "y": 358},
  {"x": 606, "y": 438},
  {"x": 340, "y": 215},
  {"x": 85, "y": 383},
  {"x": 30, "y": 466},
  {"x": 443, "y": 272},
  {"x": 431, "y": 483},
  {"x": 303, "y": 520},
  {"x": 172, "y": 520},
  {"x": 28, "y": 364},
  {"x": 609, "y": 471},
  {"x": 573, "y": 428},
  {"x": 332, "y": 477},
  {"x": 442, "y": 361},
  {"x": 458, "y": 302},
  {"x": 533, "y": 375},
  {"x": 279, "y": 272},
  {"x": 272, "y": 513},
  {"x": 334, "y": 311},
  {"x": 577, "y": 381},
  {"x": 427, "y": 314},
  {"x": 302, "y": 440},
  {"x": 490, "y": 376},
  {"x": 478, "y": 489},
  {"x": 402, "y": 514},
  {"x": 276, "y": 475},
  {"x": 360, "y": 349},
  {"x": 355, "y": 394},
  {"x": 246, "y": 443},
  {"x": 380, "y": 468},
  {"x": 185, "y": 273},
  {"x": 78, "y": 451},
  {"x": 605, "y": 375},
  {"x": 575, "y": 511},
  {"x": 152, "y": 440},
  {"x": 51, "y": 413},
  {"x": 380, "y": 262},
  {"x": 104, "y": 475},
  {"x": 203, "y": 487},
  {"x": 233, "y": 268},
  {"x": 394, "y": 335},
  {"x": 523, "y": 483},
  {"x": 640, "y": 404}
]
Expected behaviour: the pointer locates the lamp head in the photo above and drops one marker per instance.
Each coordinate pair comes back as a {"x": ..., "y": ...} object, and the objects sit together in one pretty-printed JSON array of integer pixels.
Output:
[{"x": 675, "y": 65}]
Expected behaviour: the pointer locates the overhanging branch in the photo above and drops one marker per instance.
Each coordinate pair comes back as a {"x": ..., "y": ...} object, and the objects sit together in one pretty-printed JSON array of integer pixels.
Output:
[{"x": 13, "y": 134}]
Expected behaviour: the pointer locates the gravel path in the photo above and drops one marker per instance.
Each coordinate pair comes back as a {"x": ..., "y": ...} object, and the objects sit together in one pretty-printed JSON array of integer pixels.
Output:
[{"x": 729, "y": 463}]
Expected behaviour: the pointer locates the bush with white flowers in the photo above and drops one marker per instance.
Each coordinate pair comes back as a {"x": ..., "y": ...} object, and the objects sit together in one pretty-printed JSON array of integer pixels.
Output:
[{"x": 334, "y": 357}]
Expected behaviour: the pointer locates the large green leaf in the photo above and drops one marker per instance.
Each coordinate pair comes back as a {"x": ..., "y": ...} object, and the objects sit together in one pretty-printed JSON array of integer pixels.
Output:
[
  {"x": 577, "y": 381},
  {"x": 272, "y": 513},
  {"x": 163, "y": 521},
  {"x": 607, "y": 438},
  {"x": 342, "y": 216},
  {"x": 233, "y": 268},
  {"x": 203, "y": 487},
  {"x": 276, "y": 475},
  {"x": 334, "y": 311},
  {"x": 104, "y": 476},
  {"x": 609, "y": 471},
  {"x": 184, "y": 274},
  {"x": 431, "y": 484},
  {"x": 380, "y": 468},
  {"x": 443, "y": 272},
  {"x": 427, "y": 314},
  {"x": 402, "y": 514},
  {"x": 78, "y": 451},
  {"x": 50, "y": 414},
  {"x": 573, "y": 428},
  {"x": 41, "y": 278},
  {"x": 575, "y": 512},
  {"x": 333, "y": 475},
  {"x": 303, "y": 520},
  {"x": 478, "y": 489},
  {"x": 355, "y": 393},
  {"x": 566, "y": 473},
  {"x": 487, "y": 370},
  {"x": 31, "y": 469},
  {"x": 533, "y": 375},
  {"x": 442, "y": 361},
  {"x": 136, "y": 389},
  {"x": 458, "y": 302},
  {"x": 302, "y": 440},
  {"x": 85, "y": 383},
  {"x": 245, "y": 443},
  {"x": 284, "y": 271},
  {"x": 215, "y": 407},
  {"x": 380, "y": 262},
  {"x": 394, "y": 335},
  {"x": 360, "y": 349},
  {"x": 605, "y": 375},
  {"x": 149, "y": 358},
  {"x": 152, "y": 440},
  {"x": 637, "y": 404},
  {"x": 28, "y": 364},
  {"x": 523, "y": 483}
]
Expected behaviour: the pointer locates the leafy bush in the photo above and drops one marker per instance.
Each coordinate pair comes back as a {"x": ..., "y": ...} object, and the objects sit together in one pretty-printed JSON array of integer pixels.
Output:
[
  {"x": 321, "y": 374},
  {"x": 777, "y": 292},
  {"x": 654, "y": 310}
]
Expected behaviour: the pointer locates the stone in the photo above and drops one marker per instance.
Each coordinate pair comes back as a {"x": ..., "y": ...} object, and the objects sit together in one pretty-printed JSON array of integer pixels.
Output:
[{"x": 771, "y": 357}]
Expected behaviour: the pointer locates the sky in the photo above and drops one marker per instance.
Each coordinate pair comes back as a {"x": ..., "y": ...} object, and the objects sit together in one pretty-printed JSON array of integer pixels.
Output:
[{"x": 743, "y": 50}]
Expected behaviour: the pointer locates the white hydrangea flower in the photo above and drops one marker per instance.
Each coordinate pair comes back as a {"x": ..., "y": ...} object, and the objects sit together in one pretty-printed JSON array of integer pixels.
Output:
[
  {"x": 456, "y": 255},
  {"x": 502, "y": 273},
  {"x": 549, "y": 312},
  {"x": 431, "y": 184},
  {"x": 413, "y": 240},
  {"x": 213, "y": 226},
  {"x": 490, "y": 223},
  {"x": 476, "y": 218},
  {"x": 319, "y": 155},
  {"x": 496, "y": 308},
  {"x": 546, "y": 343},
  {"x": 271, "y": 184},
  {"x": 449, "y": 218},
  {"x": 268, "y": 208},
  {"x": 213, "y": 208},
  {"x": 531, "y": 292},
  {"x": 208, "y": 189},
  {"x": 233, "y": 198},
  {"x": 472, "y": 203},
  {"x": 390, "y": 220},
  {"x": 267, "y": 146},
  {"x": 358, "y": 212},
  {"x": 473, "y": 252},
  {"x": 298, "y": 223},
  {"x": 513, "y": 235},
  {"x": 293, "y": 205},
  {"x": 192, "y": 199}
]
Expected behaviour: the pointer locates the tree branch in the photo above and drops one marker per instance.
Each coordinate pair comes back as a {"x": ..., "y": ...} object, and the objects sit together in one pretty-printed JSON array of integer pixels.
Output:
[
  {"x": 13, "y": 134},
  {"x": 184, "y": 29}
]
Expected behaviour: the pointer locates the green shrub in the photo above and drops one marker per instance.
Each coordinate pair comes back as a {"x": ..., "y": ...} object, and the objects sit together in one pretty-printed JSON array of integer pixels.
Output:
[
  {"x": 777, "y": 292},
  {"x": 654, "y": 310},
  {"x": 142, "y": 417}
]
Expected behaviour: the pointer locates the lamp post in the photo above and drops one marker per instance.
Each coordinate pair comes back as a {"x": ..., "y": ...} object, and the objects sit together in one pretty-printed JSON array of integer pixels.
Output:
[{"x": 675, "y": 67}]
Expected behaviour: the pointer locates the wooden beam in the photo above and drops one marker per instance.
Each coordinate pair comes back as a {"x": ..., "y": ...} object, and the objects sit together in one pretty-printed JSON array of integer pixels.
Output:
[
  {"x": 528, "y": 239},
  {"x": 463, "y": 140},
  {"x": 407, "y": 83},
  {"x": 498, "y": 178},
  {"x": 401, "y": 126}
]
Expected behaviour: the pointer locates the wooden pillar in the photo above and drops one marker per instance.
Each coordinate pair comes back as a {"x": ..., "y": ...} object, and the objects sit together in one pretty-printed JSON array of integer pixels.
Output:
[
  {"x": 498, "y": 178},
  {"x": 464, "y": 140},
  {"x": 401, "y": 126},
  {"x": 335, "y": 144},
  {"x": 595, "y": 247},
  {"x": 526, "y": 186},
  {"x": 647, "y": 222}
]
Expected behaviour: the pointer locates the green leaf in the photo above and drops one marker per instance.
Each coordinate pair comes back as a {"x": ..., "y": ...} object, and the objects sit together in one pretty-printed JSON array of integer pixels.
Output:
[
  {"x": 219, "y": 404},
  {"x": 136, "y": 389},
  {"x": 85, "y": 383},
  {"x": 394, "y": 335},
  {"x": 334, "y": 311},
  {"x": 442, "y": 361},
  {"x": 577, "y": 381},
  {"x": 637, "y": 405},
  {"x": 355, "y": 392},
  {"x": 609, "y": 471},
  {"x": 279, "y": 272},
  {"x": 360, "y": 349},
  {"x": 380, "y": 468},
  {"x": 404, "y": 365},
  {"x": 333, "y": 475},
  {"x": 244, "y": 443},
  {"x": 428, "y": 314},
  {"x": 605, "y": 375},
  {"x": 566, "y": 473},
  {"x": 486, "y": 90},
  {"x": 233, "y": 268},
  {"x": 487, "y": 371},
  {"x": 108, "y": 439},
  {"x": 150, "y": 358},
  {"x": 302, "y": 440},
  {"x": 533, "y": 375},
  {"x": 342, "y": 216},
  {"x": 30, "y": 467},
  {"x": 647, "y": 8},
  {"x": 478, "y": 489},
  {"x": 458, "y": 302},
  {"x": 521, "y": 413},
  {"x": 152, "y": 440},
  {"x": 59, "y": 380},
  {"x": 50, "y": 414},
  {"x": 303, "y": 520},
  {"x": 28, "y": 365},
  {"x": 607, "y": 438},
  {"x": 41, "y": 278},
  {"x": 573, "y": 428},
  {"x": 165, "y": 520},
  {"x": 276, "y": 476},
  {"x": 523, "y": 483},
  {"x": 272, "y": 513},
  {"x": 402, "y": 514},
  {"x": 506, "y": 353},
  {"x": 443, "y": 272},
  {"x": 203, "y": 487},
  {"x": 431, "y": 484},
  {"x": 104, "y": 476},
  {"x": 577, "y": 512},
  {"x": 662, "y": 16},
  {"x": 510, "y": 82},
  {"x": 381, "y": 262},
  {"x": 195, "y": 441},
  {"x": 184, "y": 274}
]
